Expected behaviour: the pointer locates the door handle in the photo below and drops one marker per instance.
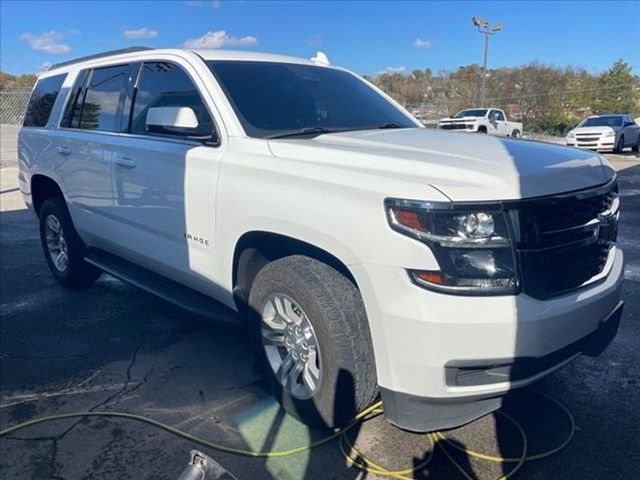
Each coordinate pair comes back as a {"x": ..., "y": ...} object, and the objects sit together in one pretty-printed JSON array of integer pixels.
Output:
[
  {"x": 125, "y": 162},
  {"x": 63, "y": 150}
]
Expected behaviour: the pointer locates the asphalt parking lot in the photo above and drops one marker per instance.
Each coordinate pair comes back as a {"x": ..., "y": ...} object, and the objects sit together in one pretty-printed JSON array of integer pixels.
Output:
[{"x": 115, "y": 348}]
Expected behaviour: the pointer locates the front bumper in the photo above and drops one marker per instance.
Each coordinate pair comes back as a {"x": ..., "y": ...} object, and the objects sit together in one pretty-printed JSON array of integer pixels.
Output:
[
  {"x": 602, "y": 143},
  {"x": 421, "y": 337},
  {"x": 423, "y": 414}
]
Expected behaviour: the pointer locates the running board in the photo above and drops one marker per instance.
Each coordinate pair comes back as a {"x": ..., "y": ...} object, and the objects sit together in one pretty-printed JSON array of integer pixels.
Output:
[{"x": 176, "y": 293}]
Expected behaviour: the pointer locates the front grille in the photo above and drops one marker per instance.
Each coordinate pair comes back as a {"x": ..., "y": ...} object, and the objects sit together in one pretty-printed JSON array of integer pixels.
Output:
[
  {"x": 453, "y": 126},
  {"x": 564, "y": 241}
]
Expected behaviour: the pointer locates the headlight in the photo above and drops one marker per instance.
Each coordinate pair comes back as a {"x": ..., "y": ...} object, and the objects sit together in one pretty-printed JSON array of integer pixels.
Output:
[
  {"x": 611, "y": 133},
  {"x": 471, "y": 243},
  {"x": 571, "y": 134}
]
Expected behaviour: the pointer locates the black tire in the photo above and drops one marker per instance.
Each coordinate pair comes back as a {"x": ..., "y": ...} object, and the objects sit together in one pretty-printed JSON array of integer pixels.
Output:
[
  {"x": 636, "y": 147},
  {"x": 482, "y": 129},
  {"x": 78, "y": 273},
  {"x": 515, "y": 134},
  {"x": 335, "y": 309},
  {"x": 620, "y": 145}
]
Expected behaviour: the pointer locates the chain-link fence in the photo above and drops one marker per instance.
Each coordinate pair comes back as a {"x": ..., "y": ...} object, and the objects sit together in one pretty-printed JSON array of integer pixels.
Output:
[{"x": 13, "y": 104}]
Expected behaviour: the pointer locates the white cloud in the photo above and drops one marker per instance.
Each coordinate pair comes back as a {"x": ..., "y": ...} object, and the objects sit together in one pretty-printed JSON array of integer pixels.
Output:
[
  {"x": 144, "y": 32},
  {"x": 392, "y": 70},
  {"x": 219, "y": 39},
  {"x": 47, "y": 42},
  {"x": 420, "y": 43}
]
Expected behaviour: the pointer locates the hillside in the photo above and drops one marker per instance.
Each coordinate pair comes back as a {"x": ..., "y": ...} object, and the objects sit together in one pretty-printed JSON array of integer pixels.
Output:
[{"x": 13, "y": 82}]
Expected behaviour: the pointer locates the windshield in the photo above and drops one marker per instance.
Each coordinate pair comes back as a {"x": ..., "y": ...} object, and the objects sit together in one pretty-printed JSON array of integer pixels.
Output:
[
  {"x": 275, "y": 99},
  {"x": 477, "y": 112},
  {"x": 606, "y": 121}
]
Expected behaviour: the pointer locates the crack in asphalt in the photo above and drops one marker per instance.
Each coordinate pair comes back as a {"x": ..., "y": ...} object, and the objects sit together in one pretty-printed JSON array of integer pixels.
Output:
[{"x": 55, "y": 439}]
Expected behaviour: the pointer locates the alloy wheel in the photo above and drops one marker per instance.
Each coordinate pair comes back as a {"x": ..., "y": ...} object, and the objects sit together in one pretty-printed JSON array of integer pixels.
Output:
[
  {"x": 291, "y": 346},
  {"x": 56, "y": 243}
]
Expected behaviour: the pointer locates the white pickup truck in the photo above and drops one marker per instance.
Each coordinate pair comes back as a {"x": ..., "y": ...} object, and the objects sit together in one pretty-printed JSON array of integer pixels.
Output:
[
  {"x": 365, "y": 254},
  {"x": 482, "y": 120}
]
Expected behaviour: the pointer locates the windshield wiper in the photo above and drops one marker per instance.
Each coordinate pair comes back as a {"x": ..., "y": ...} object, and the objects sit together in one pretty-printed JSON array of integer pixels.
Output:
[
  {"x": 389, "y": 125},
  {"x": 302, "y": 131}
]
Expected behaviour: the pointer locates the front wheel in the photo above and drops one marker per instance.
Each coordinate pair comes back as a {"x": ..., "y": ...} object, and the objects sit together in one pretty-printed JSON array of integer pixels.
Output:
[
  {"x": 310, "y": 328},
  {"x": 63, "y": 248},
  {"x": 636, "y": 147},
  {"x": 620, "y": 145}
]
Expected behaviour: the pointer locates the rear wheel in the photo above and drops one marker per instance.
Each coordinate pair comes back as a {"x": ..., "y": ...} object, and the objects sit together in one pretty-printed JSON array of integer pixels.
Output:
[
  {"x": 311, "y": 332},
  {"x": 515, "y": 134},
  {"x": 63, "y": 249},
  {"x": 620, "y": 145}
]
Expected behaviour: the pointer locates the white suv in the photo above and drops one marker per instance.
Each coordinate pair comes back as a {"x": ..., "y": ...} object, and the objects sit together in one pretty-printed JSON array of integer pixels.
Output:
[{"x": 366, "y": 255}]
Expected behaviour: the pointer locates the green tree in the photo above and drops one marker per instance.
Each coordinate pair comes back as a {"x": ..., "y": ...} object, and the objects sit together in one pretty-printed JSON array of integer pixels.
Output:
[{"x": 616, "y": 90}]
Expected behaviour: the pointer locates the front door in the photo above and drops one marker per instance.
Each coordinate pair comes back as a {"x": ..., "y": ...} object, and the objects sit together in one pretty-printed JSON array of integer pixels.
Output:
[{"x": 165, "y": 183}]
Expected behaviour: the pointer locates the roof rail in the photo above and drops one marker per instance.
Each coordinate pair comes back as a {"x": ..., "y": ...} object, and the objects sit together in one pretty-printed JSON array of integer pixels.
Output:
[{"x": 99, "y": 55}]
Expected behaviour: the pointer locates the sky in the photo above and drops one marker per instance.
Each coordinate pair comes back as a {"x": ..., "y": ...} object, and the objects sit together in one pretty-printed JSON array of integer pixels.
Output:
[{"x": 367, "y": 37}]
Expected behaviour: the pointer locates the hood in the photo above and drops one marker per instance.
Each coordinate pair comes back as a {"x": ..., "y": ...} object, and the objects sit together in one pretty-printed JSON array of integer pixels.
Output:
[
  {"x": 595, "y": 129},
  {"x": 463, "y": 167}
]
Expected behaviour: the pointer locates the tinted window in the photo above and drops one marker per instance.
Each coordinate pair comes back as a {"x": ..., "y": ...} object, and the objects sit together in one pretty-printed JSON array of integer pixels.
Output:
[
  {"x": 102, "y": 108},
  {"x": 74, "y": 104},
  {"x": 42, "y": 99},
  {"x": 500, "y": 115},
  {"x": 604, "y": 121},
  {"x": 163, "y": 84},
  {"x": 278, "y": 97}
]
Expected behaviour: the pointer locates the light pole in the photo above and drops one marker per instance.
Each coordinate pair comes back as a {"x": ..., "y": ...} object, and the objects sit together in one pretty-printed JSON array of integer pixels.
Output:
[{"x": 483, "y": 27}]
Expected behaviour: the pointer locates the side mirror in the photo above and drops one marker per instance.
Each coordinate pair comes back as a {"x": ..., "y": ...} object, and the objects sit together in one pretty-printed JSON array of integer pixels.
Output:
[
  {"x": 176, "y": 118},
  {"x": 179, "y": 121}
]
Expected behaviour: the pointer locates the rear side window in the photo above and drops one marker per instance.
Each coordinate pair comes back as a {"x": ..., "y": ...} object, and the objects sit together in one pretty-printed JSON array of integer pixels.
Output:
[
  {"x": 103, "y": 100},
  {"x": 163, "y": 84},
  {"x": 42, "y": 99},
  {"x": 71, "y": 116}
]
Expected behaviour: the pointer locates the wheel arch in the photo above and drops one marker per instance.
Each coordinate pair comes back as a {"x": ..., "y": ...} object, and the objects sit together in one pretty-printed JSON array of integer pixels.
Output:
[
  {"x": 43, "y": 187},
  {"x": 254, "y": 249}
]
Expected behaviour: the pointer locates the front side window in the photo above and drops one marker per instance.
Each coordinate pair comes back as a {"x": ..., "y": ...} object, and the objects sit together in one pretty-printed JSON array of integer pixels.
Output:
[
  {"x": 164, "y": 84},
  {"x": 42, "y": 99},
  {"x": 271, "y": 99},
  {"x": 496, "y": 115},
  {"x": 105, "y": 93}
]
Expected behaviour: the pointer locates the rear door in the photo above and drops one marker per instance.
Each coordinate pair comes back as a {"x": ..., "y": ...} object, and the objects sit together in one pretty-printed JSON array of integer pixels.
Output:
[
  {"x": 164, "y": 182},
  {"x": 92, "y": 117}
]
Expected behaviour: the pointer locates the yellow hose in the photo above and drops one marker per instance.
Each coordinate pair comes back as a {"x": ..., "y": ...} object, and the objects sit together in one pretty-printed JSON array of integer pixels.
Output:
[{"x": 353, "y": 456}]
